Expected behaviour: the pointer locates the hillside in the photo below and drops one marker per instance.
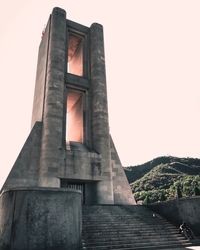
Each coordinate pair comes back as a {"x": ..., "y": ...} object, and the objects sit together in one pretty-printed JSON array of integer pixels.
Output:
[{"x": 164, "y": 178}]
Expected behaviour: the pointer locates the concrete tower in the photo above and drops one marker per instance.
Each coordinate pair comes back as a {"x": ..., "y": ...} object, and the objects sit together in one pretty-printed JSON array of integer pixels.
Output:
[
  {"x": 69, "y": 158},
  {"x": 69, "y": 145}
]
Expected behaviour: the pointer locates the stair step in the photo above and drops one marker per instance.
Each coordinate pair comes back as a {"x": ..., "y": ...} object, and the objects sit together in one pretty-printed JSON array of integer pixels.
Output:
[
  {"x": 139, "y": 246},
  {"x": 127, "y": 227},
  {"x": 136, "y": 242},
  {"x": 132, "y": 241},
  {"x": 105, "y": 237},
  {"x": 121, "y": 232},
  {"x": 142, "y": 221},
  {"x": 164, "y": 247},
  {"x": 131, "y": 225}
]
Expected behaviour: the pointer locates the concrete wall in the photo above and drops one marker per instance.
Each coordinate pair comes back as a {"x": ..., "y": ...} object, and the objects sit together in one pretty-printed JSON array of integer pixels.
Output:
[
  {"x": 53, "y": 134},
  {"x": 179, "y": 210},
  {"x": 40, "y": 219},
  {"x": 82, "y": 165},
  {"x": 38, "y": 103},
  {"x": 121, "y": 188}
]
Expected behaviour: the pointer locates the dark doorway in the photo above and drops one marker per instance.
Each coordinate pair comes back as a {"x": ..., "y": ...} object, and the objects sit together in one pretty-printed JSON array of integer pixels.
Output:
[{"x": 74, "y": 186}]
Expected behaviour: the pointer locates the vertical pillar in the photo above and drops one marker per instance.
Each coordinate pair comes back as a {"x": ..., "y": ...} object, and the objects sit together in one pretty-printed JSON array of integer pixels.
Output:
[
  {"x": 100, "y": 126},
  {"x": 54, "y": 102}
]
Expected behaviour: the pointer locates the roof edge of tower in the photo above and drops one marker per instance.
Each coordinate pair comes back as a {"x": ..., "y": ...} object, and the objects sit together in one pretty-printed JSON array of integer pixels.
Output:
[
  {"x": 97, "y": 25},
  {"x": 58, "y": 10}
]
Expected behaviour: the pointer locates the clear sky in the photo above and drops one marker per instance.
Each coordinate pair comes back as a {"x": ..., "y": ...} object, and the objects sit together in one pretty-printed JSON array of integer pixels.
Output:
[{"x": 153, "y": 73}]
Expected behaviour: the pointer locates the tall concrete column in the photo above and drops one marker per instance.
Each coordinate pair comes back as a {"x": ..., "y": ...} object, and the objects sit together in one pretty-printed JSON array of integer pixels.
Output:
[
  {"x": 54, "y": 102},
  {"x": 100, "y": 126}
]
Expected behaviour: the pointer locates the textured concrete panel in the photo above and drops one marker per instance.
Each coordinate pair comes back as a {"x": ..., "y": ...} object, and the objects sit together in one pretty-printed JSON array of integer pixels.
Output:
[
  {"x": 121, "y": 187},
  {"x": 40, "y": 219},
  {"x": 52, "y": 150},
  {"x": 38, "y": 102},
  {"x": 81, "y": 164}
]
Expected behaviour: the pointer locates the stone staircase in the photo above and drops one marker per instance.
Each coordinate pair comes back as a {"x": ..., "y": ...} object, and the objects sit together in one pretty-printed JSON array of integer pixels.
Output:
[{"x": 128, "y": 227}]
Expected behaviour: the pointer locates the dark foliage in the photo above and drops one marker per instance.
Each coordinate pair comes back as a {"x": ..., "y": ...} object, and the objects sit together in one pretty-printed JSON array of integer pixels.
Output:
[{"x": 165, "y": 178}]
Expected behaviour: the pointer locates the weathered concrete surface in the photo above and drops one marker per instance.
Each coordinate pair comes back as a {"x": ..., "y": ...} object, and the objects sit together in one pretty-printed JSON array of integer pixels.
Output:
[
  {"x": 179, "y": 210},
  {"x": 52, "y": 149},
  {"x": 38, "y": 102},
  {"x": 40, "y": 219},
  {"x": 99, "y": 114},
  {"x": 121, "y": 188},
  {"x": 81, "y": 164},
  {"x": 25, "y": 170}
]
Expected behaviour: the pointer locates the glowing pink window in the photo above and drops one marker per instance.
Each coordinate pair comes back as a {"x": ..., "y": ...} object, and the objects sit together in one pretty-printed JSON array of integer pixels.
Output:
[
  {"x": 74, "y": 116},
  {"x": 75, "y": 54}
]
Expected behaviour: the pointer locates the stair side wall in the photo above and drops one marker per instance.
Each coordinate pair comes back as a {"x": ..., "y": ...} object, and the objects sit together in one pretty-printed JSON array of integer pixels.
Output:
[{"x": 179, "y": 210}]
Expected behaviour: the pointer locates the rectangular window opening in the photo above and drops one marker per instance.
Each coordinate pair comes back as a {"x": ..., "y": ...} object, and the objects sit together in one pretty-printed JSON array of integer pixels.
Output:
[
  {"x": 74, "y": 116},
  {"x": 75, "y": 54}
]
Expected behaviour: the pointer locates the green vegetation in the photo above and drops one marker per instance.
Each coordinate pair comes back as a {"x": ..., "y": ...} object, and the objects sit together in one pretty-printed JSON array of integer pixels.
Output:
[{"x": 165, "y": 178}]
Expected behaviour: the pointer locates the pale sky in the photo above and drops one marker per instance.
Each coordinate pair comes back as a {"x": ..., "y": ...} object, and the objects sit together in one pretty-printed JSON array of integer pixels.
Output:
[{"x": 153, "y": 73}]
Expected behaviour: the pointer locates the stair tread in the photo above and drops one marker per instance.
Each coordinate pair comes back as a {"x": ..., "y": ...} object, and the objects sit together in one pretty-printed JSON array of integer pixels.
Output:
[
  {"x": 135, "y": 243},
  {"x": 168, "y": 246}
]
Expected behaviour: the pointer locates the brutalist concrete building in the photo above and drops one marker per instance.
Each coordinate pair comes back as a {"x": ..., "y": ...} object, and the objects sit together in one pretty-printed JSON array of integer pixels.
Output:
[{"x": 69, "y": 158}]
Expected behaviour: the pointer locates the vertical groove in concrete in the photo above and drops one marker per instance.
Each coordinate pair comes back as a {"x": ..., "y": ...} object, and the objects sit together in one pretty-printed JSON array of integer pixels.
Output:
[
  {"x": 52, "y": 137},
  {"x": 12, "y": 223},
  {"x": 100, "y": 127}
]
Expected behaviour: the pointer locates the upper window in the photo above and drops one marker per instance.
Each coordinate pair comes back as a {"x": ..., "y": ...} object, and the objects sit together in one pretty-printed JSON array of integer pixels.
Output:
[{"x": 75, "y": 54}]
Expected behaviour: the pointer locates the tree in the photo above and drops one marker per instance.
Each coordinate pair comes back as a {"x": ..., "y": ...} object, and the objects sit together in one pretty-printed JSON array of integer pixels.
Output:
[
  {"x": 146, "y": 200},
  {"x": 196, "y": 191},
  {"x": 162, "y": 197},
  {"x": 178, "y": 192}
]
